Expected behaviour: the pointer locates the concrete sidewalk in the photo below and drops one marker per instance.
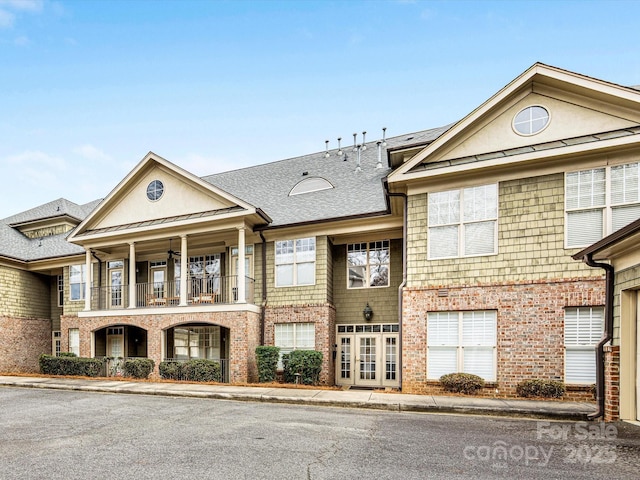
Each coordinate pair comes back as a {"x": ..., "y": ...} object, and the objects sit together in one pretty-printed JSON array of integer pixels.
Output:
[{"x": 399, "y": 402}]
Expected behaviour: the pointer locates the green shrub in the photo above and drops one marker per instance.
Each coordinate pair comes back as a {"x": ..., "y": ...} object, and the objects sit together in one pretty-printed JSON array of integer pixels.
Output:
[
  {"x": 196, "y": 370},
  {"x": 462, "y": 383},
  {"x": 540, "y": 388},
  {"x": 70, "y": 365},
  {"x": 306, "y": 363},
  {"x": 67, "y": 354},
  {"x": 201, "y": 370},
  {"x": 267, "y": 360},
  {"x": 171, "y": 370},
  {"x": 138, "y": 367}
]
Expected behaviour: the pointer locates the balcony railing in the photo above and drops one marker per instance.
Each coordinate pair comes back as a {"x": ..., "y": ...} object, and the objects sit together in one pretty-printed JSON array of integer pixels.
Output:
[{"x": 200, "y": 291}]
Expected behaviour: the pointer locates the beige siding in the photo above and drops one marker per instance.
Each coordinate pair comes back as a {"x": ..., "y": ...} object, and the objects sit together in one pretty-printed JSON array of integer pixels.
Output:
[
  {"x": 304, "y": 295},
  {"x": 383, "y": 301},
  {"x": 625, "y": 280},
  {"x": 56, "y": 311},
  {"x": 530, "y": 240},
  {"x": 24, "y": 294}
]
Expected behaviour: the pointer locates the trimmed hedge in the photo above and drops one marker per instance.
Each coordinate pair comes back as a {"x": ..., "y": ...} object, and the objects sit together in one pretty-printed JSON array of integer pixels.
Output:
[
  {"x": 267, "y": 360},
  {"x": 138, "y": 367},
  {"x": 462, "y": 383},
  {"x": 306, "y": 363},
  {"x": 540, "y": 388},
  {"x": 70, "y": 365},
  {"x": 196, "y": 370}
]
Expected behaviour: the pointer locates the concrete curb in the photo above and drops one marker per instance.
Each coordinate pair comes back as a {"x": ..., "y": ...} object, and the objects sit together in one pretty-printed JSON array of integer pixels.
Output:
[{"x": 426, "y": 404}]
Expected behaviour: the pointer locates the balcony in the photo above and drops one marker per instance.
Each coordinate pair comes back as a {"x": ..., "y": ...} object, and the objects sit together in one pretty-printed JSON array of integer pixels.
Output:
[{"x": 220, "y": 290}]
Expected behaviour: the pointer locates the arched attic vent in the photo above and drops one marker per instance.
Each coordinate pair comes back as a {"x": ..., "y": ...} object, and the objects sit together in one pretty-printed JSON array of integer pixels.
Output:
[{"x": 311, "y": 184}]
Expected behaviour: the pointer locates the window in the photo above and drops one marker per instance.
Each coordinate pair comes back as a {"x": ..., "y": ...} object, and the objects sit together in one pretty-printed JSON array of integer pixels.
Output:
[
  {"x": 583, "y": 327},
  {"x": 463, "y": 223},
  {"x": 204, "y": 272},
  {"x": 77, "y": 279},
  {"x": 599, "y": 202},
  {"x": 368, "y": 264},
  {"x": 60, "y": 290},
  {"x": 461, "y": 342},
  {"x": 531, "y": 120},
  {"x": 155, "y": 190},
  {"x": 311, "y": 184},
  {"x": 55, "y": 340},
  {"x": 296, "y": 262},
  {"x": 197, "y": 342},
  {"x": 74, "y": 341},
  {"x": 294, "y": 336}
]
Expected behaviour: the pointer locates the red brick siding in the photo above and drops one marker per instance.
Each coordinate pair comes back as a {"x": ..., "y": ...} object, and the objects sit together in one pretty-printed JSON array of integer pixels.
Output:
[
  {"x": 530, "y": 326},
  {"x": 324, "y": 318},
  {"x": 244, "y": 335},
  {"x": 23, "y": 341},
  {"x": 611, "y": 383}
]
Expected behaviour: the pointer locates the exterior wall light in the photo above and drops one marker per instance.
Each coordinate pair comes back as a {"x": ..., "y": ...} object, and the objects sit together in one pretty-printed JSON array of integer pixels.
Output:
[{"x": 367, "y": 312}]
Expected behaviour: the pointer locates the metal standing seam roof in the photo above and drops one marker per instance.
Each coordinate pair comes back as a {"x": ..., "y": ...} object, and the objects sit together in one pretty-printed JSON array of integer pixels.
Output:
[{"x": 356, "y": 192}]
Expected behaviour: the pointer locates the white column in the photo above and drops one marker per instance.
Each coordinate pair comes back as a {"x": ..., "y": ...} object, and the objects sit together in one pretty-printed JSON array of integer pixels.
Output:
[
  {"x": 184, "y": 268},
  {"x": 132, "y": 275},
  {"x": 241, "y": 266},
  {"x": 87, "y": 281}
]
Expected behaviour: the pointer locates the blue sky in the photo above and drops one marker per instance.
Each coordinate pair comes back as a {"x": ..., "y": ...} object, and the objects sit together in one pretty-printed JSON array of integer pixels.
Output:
[{"x": 88, "y": 87}]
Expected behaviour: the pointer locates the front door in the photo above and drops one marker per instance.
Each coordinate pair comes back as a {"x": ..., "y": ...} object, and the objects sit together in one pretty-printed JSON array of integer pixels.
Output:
[
  {"x": 115, "y": 290},
  {"x": 367, "y": 355},
  {"x": 115, "y": 342}
]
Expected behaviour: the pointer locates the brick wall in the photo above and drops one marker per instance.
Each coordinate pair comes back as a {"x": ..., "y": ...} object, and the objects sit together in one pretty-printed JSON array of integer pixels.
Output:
[
  {"x": 611, "y": 383},
  {"x": 324, "y": 318},
  {"x": 23, "y": 341},
  {"x": 530, "y": 326},
  {"x": 244, "y": 335}
]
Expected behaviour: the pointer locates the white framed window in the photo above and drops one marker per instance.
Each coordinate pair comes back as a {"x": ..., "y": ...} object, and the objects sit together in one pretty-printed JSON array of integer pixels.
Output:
[
  {"x": 600, "y": 201},
  {"x": 60, "y": 283},
  {"x": 55, "y": 343},
  {"x": 583, "y": 328},
  {"x": 296, "y": 262},
  {"x": 462, "y": 342},
  {"x": 531, "y": 120},
  {"x": 463, "y": 223},
  {"x": 294, "y": 336},
  {"x": 77, "y": 279},
  {"x": 368, "y": 264},
  {"x": 74, "y": 341}
]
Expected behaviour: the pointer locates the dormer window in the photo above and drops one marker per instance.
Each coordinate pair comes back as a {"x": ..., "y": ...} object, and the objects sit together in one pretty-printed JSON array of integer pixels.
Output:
[
  {"x": 531, "y": 120},
  {"x": 311, "y": 184}
]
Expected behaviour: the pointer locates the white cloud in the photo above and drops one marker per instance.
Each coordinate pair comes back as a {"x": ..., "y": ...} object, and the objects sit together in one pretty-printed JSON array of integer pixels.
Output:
[
  {"x": 90, "y": 152},
  {"x": 25, "y": 5},
  {"x": 201, "y": 165},
  {"x": 37, "y": 159},
  {"x": 6, "y": 19},
  {"x": 22, "y": 41}
]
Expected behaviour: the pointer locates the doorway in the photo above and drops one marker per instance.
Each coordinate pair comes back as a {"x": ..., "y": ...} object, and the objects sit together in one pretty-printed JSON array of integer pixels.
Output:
[{"x": 367, "y": 355}]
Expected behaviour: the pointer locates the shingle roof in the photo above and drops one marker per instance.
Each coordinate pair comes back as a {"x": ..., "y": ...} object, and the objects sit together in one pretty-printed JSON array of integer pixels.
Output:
[
  {"x": 355, "y": 192},
  {"x": 15, "y": 245}
]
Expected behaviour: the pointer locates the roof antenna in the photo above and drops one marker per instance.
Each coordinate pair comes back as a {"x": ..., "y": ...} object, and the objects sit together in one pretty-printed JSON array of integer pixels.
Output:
[
  {"x": 379, "y": 164},
  {"x": 384, "y": 132},
  {"x": 355, "y": 149},
  {"x": 326, "y": 144},
  {"x": 364, "y": 146},
  {"x": 339, "y": 147}
]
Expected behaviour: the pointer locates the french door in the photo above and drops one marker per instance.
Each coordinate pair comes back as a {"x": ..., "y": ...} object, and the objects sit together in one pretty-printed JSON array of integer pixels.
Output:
[{"x": 367, "y": 355}]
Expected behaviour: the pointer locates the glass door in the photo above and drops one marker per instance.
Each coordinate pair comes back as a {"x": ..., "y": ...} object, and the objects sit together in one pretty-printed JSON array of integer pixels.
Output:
[
  {"x": 368, "y": 363},
  {"x": 345, "y": 360}
]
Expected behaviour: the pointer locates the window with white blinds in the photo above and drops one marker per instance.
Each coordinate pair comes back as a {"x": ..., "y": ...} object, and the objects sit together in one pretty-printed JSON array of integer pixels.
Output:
[
  {"x": 583, "y": 327},
  {"x": 599, "y": 202},
  {"x": 294, "y": 336},
  {"x": 463, "y": 222},
  {"x": 461, "y": 342}
]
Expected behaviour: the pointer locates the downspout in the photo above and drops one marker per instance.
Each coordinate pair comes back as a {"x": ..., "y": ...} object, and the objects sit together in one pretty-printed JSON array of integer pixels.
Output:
[
  {"x": 404, "y": 279},
  {"x": 608, "y": 332},
  {"x": 264, "y": 287}
]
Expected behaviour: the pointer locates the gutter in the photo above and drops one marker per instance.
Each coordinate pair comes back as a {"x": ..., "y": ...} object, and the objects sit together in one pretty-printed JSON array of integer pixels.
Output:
[
  {"x": 608, "y": 332},
  {"x": 404, "y": 275}
]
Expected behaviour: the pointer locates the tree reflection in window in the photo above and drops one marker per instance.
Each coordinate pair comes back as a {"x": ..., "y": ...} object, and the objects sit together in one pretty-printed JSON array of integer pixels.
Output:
[{"x": 368, "y": 264}]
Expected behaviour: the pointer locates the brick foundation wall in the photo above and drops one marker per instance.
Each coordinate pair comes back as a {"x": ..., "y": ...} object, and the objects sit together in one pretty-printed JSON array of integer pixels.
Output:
[
  {"x": 244, "y": 335},
  {"x": 530, "y": 326},
  {"x": 23, "y": 341},
  {"x": 324, "y": 318},
  {"x": 611, "y": 383}
]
